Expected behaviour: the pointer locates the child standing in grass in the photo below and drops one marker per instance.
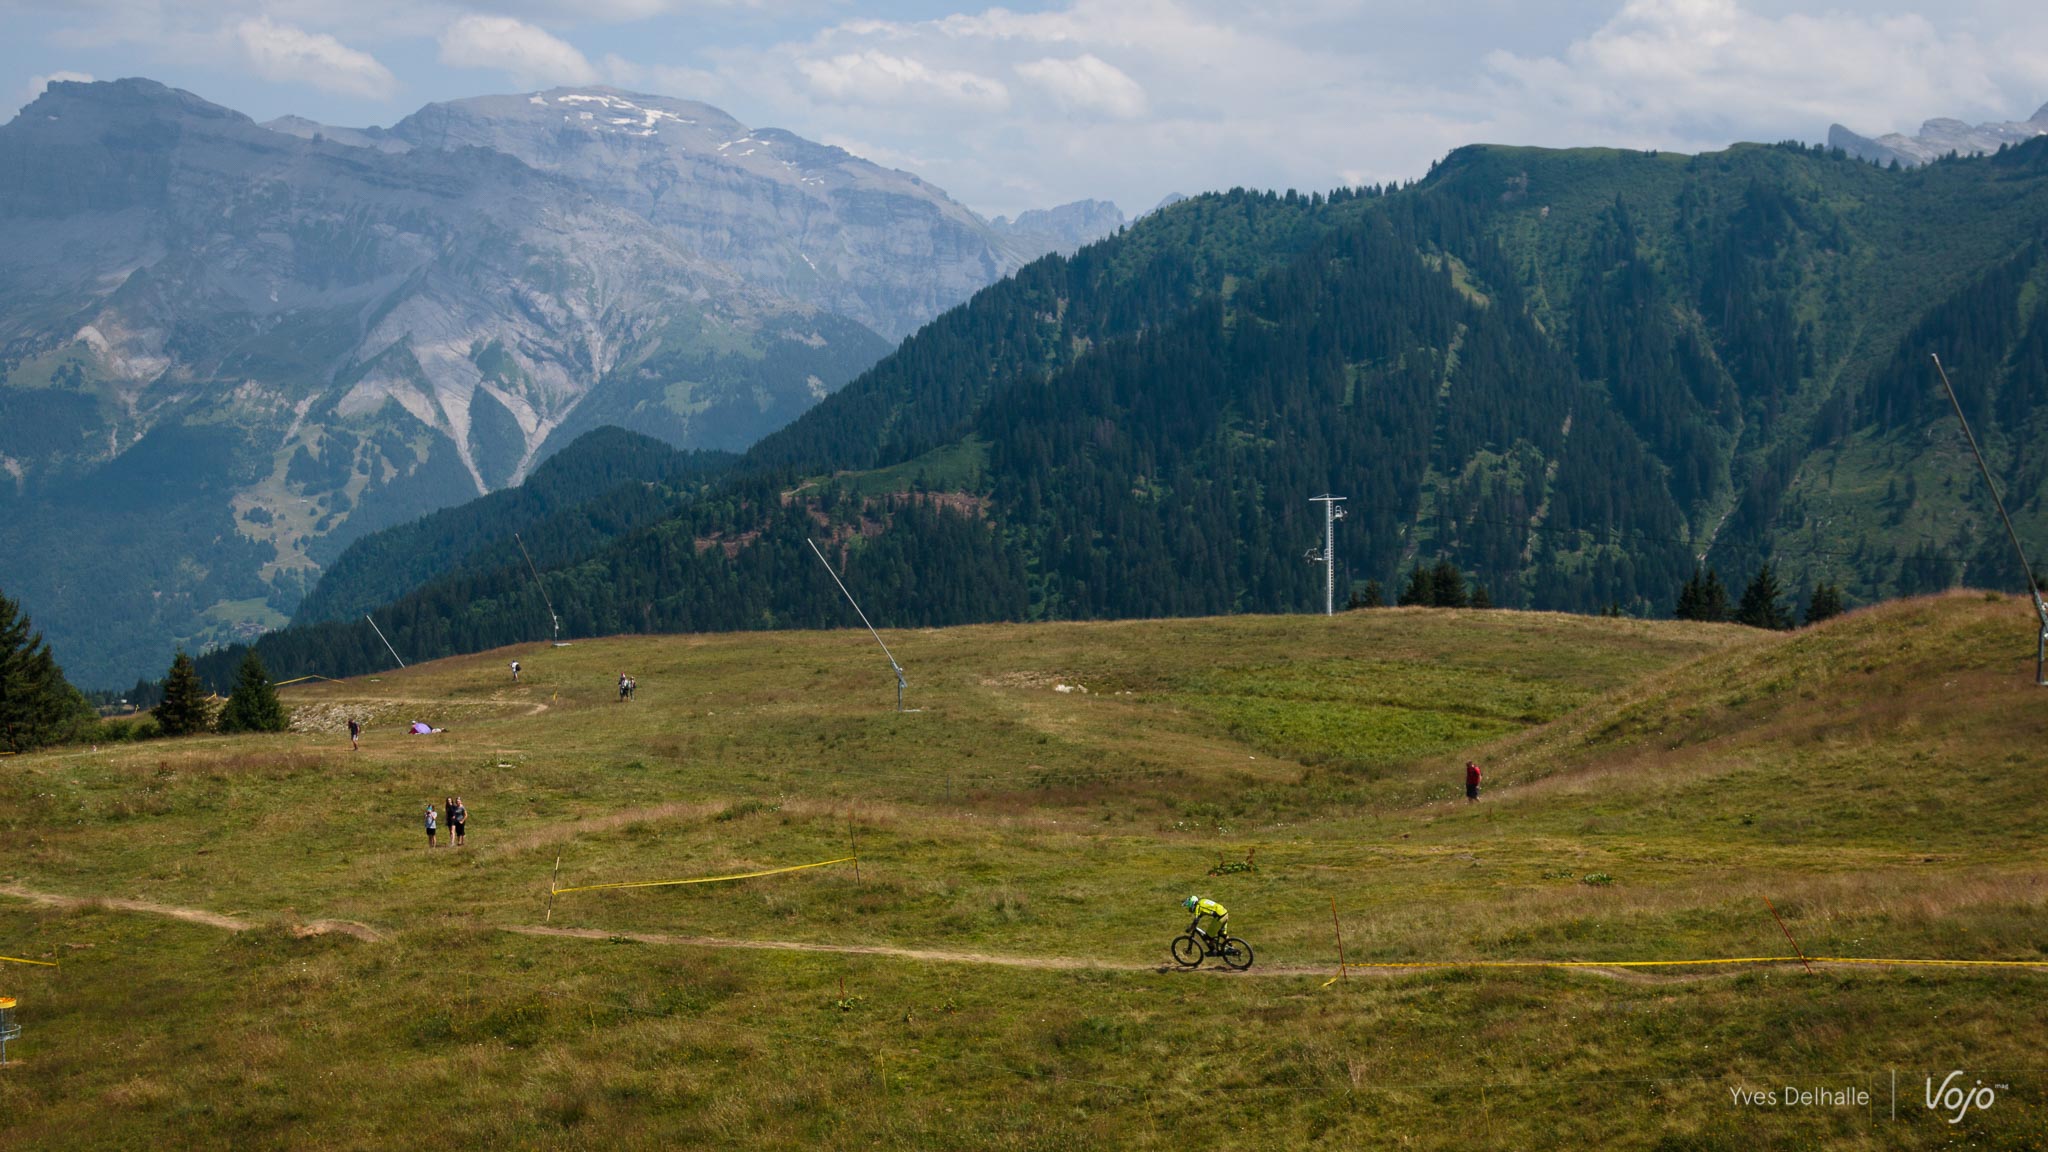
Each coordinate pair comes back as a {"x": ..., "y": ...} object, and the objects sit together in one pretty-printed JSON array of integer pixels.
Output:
[
  {"x": 430, "y": 825},
  {"x": 355, "y": 731},
  {"x": 1471, "y": 782},
  {"x": 458, "y": 820}
]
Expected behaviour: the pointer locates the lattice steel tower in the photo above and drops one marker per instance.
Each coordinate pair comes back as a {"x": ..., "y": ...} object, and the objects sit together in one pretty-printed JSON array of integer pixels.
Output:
[{"x": 1331, "y": 514}]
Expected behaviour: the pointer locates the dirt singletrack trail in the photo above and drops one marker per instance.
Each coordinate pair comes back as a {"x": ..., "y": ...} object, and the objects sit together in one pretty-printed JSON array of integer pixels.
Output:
[
  {"x": 355, "y": 928},
  {"x": 145, "y": 907},
  {"x": 364, "y": 932},
  {"x": 1046, "y": 963}
]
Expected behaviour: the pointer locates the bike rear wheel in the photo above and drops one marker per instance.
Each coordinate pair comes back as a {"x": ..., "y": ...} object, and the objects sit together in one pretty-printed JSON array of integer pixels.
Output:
[
  {"x": 1187, "y": 951},
  {"x": 1237, "y": 955}
]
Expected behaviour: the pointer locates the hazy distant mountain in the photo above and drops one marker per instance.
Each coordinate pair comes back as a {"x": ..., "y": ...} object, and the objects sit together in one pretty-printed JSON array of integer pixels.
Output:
[
  {"x": 1064, "y": 229},
  {"x": 1938, "y": 138},
  {"x": 226, "y": 349}
]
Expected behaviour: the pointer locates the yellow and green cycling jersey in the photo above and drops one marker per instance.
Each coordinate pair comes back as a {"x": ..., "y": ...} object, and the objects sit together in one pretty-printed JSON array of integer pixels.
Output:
[{"x": 1216, "y": 913}]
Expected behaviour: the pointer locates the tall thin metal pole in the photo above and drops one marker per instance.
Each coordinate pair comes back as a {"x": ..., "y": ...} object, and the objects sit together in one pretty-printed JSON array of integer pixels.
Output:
[
  {"x": 2033, "y": 589},
  {"x": 901, "y": 683},
  {"x": 543, "y": 588},
  {"x": 387, "y": 643}
]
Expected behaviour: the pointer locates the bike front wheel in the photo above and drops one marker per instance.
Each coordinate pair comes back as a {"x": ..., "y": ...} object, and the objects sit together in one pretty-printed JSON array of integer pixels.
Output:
[
  {"x": 1187, "y": 951},
  {"x": 1237, "y": 955}
]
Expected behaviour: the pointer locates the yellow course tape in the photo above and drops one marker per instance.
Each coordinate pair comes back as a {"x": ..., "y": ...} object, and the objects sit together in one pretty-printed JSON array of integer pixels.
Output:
[
  {"x": 19, "y": 960},
  {"x": 303, "y": 679},
  {"x": 701, "y": 879}
]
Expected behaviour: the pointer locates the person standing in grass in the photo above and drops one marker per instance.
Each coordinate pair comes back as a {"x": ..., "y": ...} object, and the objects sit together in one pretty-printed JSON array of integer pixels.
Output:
[
  {"x": 430, "y": 824},
  {"x": 458, "y": 820},
  {"x": 355, "y": 732},
  {"x": 1471, "y": 782},
  {"x": 515, "y": 671},
  {"x": 448, "y": 817}
]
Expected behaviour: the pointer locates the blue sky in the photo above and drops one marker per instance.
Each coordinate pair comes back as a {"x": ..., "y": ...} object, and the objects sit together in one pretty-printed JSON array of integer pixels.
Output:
[{"x": 1031, "y": 104}]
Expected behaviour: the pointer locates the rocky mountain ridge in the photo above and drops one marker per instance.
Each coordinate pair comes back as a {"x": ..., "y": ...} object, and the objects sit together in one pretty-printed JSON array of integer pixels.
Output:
[
  {"x": 1938, "y": 138},
  {"x": 228, "y": 348}
]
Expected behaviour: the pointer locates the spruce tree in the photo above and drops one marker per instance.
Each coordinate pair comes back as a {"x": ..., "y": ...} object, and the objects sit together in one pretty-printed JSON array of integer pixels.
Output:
[
  {"x": 1448, "y": 584},
  {"x": 1760, "y": 607},
  {"x": 1714, "y": 598},
  {"x": 1420, "y": 590},
  {"x": 253, "y": 706},
  {"x": 184, "y": 708},
  {"x": 37, "y": 705},
  {"x": 1479, "y": 597},
  {"x": 1703, "y": 597},
  {"x": 1688, "y": 606},
  {"x": 1370, "y": 597},
  {"x": 1824, "y": 604}
]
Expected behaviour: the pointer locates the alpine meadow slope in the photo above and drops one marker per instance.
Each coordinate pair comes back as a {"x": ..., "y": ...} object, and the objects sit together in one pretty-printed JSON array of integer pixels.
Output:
[
  {"x": 1567, "y": 373},
  {"x": 256, "y": 948}
]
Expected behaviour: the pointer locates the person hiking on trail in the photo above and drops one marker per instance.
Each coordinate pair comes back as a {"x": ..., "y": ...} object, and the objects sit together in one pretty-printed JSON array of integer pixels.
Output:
[
  {"x": 1202, "y": 906},
  {"x": 355, "y": 732},
  {"x": 430, "y": 825},
  {"x": 1471, "y": 782},
  {"x": 515, "y": 671},
  {"x": 458, "y": 820}
]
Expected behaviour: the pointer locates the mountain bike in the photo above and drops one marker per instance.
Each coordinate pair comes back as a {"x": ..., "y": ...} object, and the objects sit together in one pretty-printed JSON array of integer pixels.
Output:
[{"x": 1190, "y": 949}]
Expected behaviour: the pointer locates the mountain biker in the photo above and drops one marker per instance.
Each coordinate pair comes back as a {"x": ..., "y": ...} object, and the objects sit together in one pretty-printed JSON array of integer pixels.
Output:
[{"x": 1202, "y": 906}]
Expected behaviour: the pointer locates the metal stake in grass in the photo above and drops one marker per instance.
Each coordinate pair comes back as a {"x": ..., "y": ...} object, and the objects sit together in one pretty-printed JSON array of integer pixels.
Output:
[
  {"x": 901, "y": 683},
  {"x": 1328, "y": 556},
  {"x": 1788, "y": 935},
  {"x": 2033, "y": 586},
  {"x": 1343, "y": 969}
]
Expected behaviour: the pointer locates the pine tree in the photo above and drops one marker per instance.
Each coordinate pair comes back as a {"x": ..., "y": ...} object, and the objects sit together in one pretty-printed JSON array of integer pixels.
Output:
[
  {"x": 1370, "y": 597},
  {"x": 1688, "y": 606},
  {"x": 1479, "y": 597},
  {"x": 253, "y": 706},
  {"x": 1449, "y": 585},
  {"x": 1420, "y": 590},
  {"x": 1824, "y": 604},
  {"x": 1760, "y": 607},
  {"x": 37, "y": 705},
  {"x": 184, "y": 709},
  {"x": 1713, "y": 599}
]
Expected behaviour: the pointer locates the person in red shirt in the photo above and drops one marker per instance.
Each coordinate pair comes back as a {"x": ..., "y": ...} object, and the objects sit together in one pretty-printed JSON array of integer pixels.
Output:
[{"x": 1471, "y": 782}]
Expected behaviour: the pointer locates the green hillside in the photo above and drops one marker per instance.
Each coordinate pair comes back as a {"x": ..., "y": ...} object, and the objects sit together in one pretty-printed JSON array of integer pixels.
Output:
[
  {"x": 256, "y": 948},
  {"x": 1572, "y": 375}
]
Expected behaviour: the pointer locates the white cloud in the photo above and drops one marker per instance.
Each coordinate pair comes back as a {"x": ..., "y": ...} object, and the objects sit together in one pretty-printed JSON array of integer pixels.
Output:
[
  {"x": 36, "y": 84},
  {"x": 1086, "y": 83},
  {"x": 530, "y": 55},
  {"x": 875, "y": 77},
  {"x": 1701, "y": 73},
  {"x": 283, "y": 53}
]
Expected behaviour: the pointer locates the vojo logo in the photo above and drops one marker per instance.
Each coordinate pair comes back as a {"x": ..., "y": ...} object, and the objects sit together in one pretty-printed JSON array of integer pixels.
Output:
[{"x": 1955, "y": 1100}]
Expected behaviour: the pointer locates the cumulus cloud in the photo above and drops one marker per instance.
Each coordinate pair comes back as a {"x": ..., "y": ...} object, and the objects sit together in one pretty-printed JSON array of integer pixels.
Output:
[
  {"x": 530, "y": 55},
  {"x": 281, "y": 52},
  {"x": 1705, "y": 72},
  {"x": 1086, "y": 83},
  {"x": 876, "y": 77}
]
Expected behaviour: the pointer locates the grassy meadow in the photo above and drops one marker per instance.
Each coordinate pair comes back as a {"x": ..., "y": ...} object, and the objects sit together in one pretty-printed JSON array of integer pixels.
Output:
[{"x": 257, "y": 950}]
